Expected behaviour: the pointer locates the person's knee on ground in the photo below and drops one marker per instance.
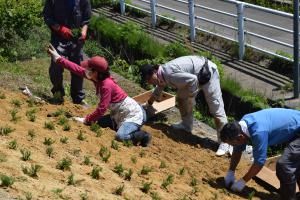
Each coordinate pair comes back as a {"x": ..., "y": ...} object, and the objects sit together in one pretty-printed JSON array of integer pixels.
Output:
[{"x": 138, "y": 138}]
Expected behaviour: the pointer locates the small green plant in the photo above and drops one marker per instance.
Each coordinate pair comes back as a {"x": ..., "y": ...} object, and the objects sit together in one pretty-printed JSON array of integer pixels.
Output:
[
  {"x": 133, "y": 159},
  {"x": 31, "y": 102},
  {"x": 62, "y": 120},
  {"x": 14, "y": 117},
  {"x": 114, "y": 145},
  {"x": 48, "y": 141},
  {"x": 49, "y": 152},
  {"x": 13, "y": 144},
  {"x": 66, "y": 127},
  {"x": 2, "y": 95},
  {"x": 6, "y": 130},
  {"x": 31, "y": 115},
  {"x": 76, "y": 152},
  {"x": 64, "y": 164},
  {"x": 104, "y": 154},
  {"x": 87, "y": 160},
  {"x": 168, "y": 181},
  {"x": 80, "y": 136},
  {"x": 194, "y": 182},
  {"x": 71, "y": 180},
  {"x": 32, "y": 171},
  {"x": 146, "y": 187},
  {"x": 146, "y": 170},
  {"x": 128, "y": 174},
  {"x": 96, "y": 128},
  {"x": 28, "y": 196},
  {"x": 49, "y": 125},
  {"x": 181, "y": 171},
  {"x": 17, "y": 103},
  {"x": 119, "y": 190},
  {"x": 142, "y": 153},
  {"x": 6, "y": 181},
  {"x": 95, "y": 174},
  {"x": 251, "y": 195},
  {"x": 162, "y": 164},
  {"x": 84, "y": 196},
  {"x": 155, "y": 196},
  {"x": 58, "y": 112},
  {"x": 3, "y": 158},
  {"x": 26, "y": 154},
  {"x": 31, "y": 134},
  {"x": 64, "y": 140},
  {"x": 119, "y": 169},
  {"x": 127, "y": 143}
]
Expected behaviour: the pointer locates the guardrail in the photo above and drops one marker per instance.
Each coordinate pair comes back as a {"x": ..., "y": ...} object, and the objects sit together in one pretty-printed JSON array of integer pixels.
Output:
[{"x": 241, "y": 29}]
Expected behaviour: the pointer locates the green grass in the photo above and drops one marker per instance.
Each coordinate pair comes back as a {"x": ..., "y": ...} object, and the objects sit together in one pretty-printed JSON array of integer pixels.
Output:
[
  {"x": 146, "y": 170},
  {"x": 31, "y": 134},
  {"x": 114, "y": 145},
  {"x": 48, "y": 141},
  {"x": 6, "y": 130},
  {"x": 49, "y": 152},
  {"x": 32, "y": 171},
  {"x": 13, "y": 144},
  {"x": 64, "y": 164},
  {"x": 17, "y": 103},
  {"x": 6, "y": 181},
  {"x": 49, "y": 125},
  {"x": 64, "y": 140},
  {"x": 168, "y": 181},
  {"x": 119, "y": 169},
  {"x": 119, "y": 190},
  {"x": 26, "y": 154},
  {"x": 128, "y": 175},
  {"x": 146, "y": 186},
  {"x": 81, "y": 136},
  {"x": 14, "y": 117},
  {"x": 87, "y": 160},
  {"x": 31, "y": 115},
  {"x": 97, "y": 129},
  {"x": 95, "y": 174},
  {"x": 104, "y": 154}
]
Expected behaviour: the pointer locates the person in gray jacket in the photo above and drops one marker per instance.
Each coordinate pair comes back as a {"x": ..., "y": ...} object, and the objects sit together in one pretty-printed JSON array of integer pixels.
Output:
[
  {"x": 68, "y": 21},
  {"x": 187, "y": 75}
]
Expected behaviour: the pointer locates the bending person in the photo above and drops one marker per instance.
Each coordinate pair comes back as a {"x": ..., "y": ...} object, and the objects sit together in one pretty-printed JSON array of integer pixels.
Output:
[
  {"x": 125, "y": 111},
  {"x": 188, "y": 74}
]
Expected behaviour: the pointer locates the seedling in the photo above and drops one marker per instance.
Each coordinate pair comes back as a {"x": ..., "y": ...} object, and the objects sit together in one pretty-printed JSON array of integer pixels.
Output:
[
  {"x": 114, "y": 145},
  {"x": 96, "y": 128},
  {"x": 49, "y": 152},
  {"x": 64, "y": 140},
  {"x": 48, "y": 141},
  {"x": 146, "y": 187},
  {"x": 76, "y": 152},
  {"x": 31, "y": 115},
  {"x": 104, "y": 154},
  {"x": 80, "y": 136},
  {"x": 31, "y": 102},
  {"x": 6, "y": 181},
  {"x": 62, "y": 120},
  {"x": 133, "y": 159},
  {"x": 128, "y": 174},
  {"x": 119, "y": 190},
  {"x": 87, "y": 160},
  {"x": 155, "y": 196},
  {"x": 194, "y": 182},
  {"x": 28, "y": 196},
  {"x": 84, "y": 196},
  {"x": 32, "y": 171},
  {"x": 142, "y": 153},
  {"x": 64, "y": 164},
  {"x": 162, "y": 164},
  {"x": 58, "y": 112},
  {"x": 95, "y": 174},
  {"x": 17, "y": 103},
  {"x": 168, "y": 181},
  {"x": 71, "y": 180},
  {"x": 49, "y": 125},
  {"x": 13, "y": 144},
  {"x": 251, "y": 195},
  {"x": 26, "y": 154},
  {"x": 2, "y": 95},
  {"x": 6, "y": 130},
  {"x": 119, "y": 169},
  {"x": 127, "y": 143},
  {"x": 66, "y": 127},
  {"x": 145, "y": 170},
  {"x": 3, "y": 158},
  {"x": 14, "y": 117},
  {"x": 31, "y": 134},
  {"x": 181, "y": 171}
]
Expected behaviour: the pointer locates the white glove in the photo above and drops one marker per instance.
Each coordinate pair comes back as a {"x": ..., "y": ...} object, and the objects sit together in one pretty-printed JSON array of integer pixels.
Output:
[
  {"x": 238, "y": 186},
  {"x": 52, "y": 51},
  {"x": 79, "y": 119},
  {"x": 229, "y": 178}
]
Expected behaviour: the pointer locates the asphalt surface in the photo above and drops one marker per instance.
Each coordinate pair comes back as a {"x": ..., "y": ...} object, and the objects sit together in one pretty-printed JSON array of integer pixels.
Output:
[{"x": 253, "y": 14}]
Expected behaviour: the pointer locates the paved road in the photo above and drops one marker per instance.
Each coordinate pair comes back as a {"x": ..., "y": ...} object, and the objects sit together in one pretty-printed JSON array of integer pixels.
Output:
[{"x": 231, "y": 8}]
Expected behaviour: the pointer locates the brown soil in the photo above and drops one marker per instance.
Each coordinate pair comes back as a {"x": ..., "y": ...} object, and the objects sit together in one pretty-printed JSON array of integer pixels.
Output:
[{"x": 199, "y": 162}]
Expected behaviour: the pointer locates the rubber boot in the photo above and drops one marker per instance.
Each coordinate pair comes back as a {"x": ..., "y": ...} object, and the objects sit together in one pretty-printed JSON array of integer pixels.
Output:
[
  {"x": 141, "y": 137},
  {"x": 288, "y": 191}
]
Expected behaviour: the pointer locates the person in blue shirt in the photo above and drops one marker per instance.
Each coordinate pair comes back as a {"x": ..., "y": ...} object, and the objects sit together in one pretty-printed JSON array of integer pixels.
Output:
[{"x": 266, "y": 128}]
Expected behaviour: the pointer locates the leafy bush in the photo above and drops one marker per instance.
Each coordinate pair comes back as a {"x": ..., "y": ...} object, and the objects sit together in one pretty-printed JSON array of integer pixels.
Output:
[
  {"x": 6, "y": 181},
  {"x": 175, "y": 50}
]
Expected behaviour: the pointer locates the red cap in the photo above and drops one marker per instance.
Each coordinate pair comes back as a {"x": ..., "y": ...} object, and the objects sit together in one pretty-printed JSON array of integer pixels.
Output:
[{"x": 97, "y": 63}]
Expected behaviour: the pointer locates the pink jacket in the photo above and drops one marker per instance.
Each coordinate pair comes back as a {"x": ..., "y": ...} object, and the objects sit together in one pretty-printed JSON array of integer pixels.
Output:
[{"x": 107, "y": 90}]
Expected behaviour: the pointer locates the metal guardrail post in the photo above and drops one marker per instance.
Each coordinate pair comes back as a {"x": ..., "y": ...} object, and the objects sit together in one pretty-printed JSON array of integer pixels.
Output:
[
  {"x": 192, "y": 20},
  {"x": 122, "y": 7},
  {"x": 296, "y": 49},
  {"x": 241, "y": 32},
  {"x": 153, "y": 12}
]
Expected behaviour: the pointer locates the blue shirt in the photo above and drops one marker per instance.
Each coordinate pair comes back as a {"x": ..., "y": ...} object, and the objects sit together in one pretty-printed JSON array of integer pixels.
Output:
[{"x": 270, "y": 127}]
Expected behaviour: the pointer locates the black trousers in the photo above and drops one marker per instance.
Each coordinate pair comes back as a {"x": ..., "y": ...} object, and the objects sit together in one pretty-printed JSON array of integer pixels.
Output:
[{"x": 288, "y": 170}]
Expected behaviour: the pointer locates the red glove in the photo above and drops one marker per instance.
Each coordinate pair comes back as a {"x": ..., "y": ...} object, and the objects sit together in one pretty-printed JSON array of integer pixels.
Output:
[{"x": 65, "y": 32}]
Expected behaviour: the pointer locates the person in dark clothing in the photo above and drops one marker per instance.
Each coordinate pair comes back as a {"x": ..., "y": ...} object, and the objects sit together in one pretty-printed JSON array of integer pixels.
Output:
[{"x": 63, "y": 16}]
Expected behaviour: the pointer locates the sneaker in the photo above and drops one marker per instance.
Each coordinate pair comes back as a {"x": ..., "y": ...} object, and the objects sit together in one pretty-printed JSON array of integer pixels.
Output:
[
  {"x": 223, "y": 149},
  {"x": 141, "y": 138},
  {"x": 57, "y": 98},
  {"x": 146, "y": 140},
  {"x": 180, "y": 126}
]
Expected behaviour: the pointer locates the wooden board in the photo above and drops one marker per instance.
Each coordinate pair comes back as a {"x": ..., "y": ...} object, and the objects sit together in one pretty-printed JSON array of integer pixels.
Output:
[{"x": 167, "y": 101}]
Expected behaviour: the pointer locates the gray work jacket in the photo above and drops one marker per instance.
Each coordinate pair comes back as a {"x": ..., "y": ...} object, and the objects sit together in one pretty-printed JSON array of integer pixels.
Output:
[{"x": 181, "y": 74}]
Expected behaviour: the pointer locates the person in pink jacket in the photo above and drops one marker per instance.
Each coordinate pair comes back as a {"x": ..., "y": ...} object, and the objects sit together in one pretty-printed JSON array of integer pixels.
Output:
[{"x": 128, "y": 115}]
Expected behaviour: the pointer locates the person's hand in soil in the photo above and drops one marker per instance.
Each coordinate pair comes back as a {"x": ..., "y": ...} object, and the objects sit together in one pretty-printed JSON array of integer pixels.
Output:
[
  {"x": 238, "y": 186},
  {"x": 229, "y": 178}
]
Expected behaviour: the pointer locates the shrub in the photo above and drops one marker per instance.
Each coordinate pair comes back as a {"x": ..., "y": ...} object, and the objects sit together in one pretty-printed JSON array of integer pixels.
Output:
[
  {"x": 48, "y": 141},
  {"x": 6, "y": 130},
  {"x": 119, "y": 169},
  {"x": 49, "y": 125},
  {"x": 64, "y": 164},
  {"x": 6, "y": 181},
  {"x": 32, "y": 171},
  {"x": 175, "y": 50},
  {"x": 13, "y": 144},
  {"x": 146, "y": 187},
  {"x": 95, "y": 174},
  {"x": 26, "y": 154},
  {"x": 49, "y": 152},
  {"x": 64, "y": 140},
  {"x": 168, "y": 181}
]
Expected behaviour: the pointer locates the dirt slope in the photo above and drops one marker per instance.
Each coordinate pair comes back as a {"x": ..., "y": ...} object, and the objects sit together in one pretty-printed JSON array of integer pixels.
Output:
[{"x": 198, "y": 162}]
